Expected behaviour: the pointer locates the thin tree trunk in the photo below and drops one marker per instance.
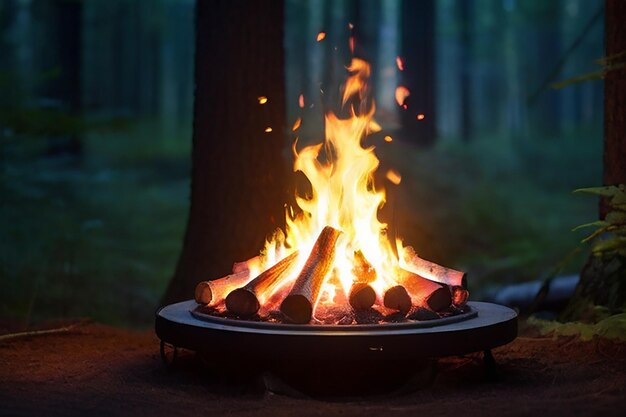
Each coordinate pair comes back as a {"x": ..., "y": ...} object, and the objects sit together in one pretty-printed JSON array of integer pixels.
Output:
[
  {"x": 615, "y": 97},
  {"x": 238, "y": 182}
]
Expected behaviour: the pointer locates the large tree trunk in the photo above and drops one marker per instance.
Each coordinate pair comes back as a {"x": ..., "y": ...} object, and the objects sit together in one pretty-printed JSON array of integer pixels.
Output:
[
  {"x": 238, "y": 176},
  {"x": 603, "y": 279}
]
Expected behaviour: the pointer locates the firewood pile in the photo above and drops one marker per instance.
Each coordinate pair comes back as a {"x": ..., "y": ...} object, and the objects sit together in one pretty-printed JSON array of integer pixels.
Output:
[{"x": 289, "y": 291}]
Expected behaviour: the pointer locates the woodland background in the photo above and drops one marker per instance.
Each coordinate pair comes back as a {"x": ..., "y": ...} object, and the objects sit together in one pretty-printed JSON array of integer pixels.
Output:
[{"x": 96, "y": 101}]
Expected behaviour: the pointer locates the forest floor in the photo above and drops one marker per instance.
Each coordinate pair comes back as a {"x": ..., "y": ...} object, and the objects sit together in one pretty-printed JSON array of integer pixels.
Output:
[{"x": 93, "y": 369}]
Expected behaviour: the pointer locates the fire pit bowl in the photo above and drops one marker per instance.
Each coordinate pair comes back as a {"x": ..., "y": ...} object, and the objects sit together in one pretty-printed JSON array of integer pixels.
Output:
[{"x": 331, "y": 355}]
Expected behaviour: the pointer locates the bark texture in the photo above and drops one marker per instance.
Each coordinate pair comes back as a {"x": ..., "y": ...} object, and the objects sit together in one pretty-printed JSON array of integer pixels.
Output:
[
  {"x": 238, "y": 184},
  {"x": 603, "y": 278},
  {"x": 615, "y": 96}
]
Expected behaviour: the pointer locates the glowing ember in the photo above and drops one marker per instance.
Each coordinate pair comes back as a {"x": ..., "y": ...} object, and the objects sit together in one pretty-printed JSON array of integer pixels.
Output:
[
  {"x": 321, "y": 36},
  {"x": 296, "y": 124},
  {"x": 394, "y": 176},
  {"x": 334, "y": 255},
  {"x": 400, "y": 63},
  {"x": 401, "y": 94},
  {"x": 420, "y": 117}
]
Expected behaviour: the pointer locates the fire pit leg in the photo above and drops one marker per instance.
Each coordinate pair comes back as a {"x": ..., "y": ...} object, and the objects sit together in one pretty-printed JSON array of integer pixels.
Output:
[
  {"x": 491, "y": 369},
  {"x": 167, "y": 362}
]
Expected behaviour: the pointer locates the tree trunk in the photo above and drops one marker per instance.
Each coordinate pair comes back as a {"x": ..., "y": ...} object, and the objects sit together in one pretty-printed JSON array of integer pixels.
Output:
[
  {"x": 602, "y": 280},
  {"x": 615, "y": 97},
  {"x": 238, "y": 175},
  {"x": 467, "y": 22}
]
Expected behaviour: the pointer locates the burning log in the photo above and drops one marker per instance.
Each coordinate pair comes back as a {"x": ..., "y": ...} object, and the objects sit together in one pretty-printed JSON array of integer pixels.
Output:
[
  {"x": 245, "y": 265},
  {"x": 212, "y": 292},
  {"x": 244, "y": 301},
  {"x": 433, "y": 271},
  {"x": 397, "y": 298},
  {"x": 459, "y": 296},
  {"x": 424, "y": 292},
  {"x": 362, "y": 295},
  {"x": 297, "y": 307}
]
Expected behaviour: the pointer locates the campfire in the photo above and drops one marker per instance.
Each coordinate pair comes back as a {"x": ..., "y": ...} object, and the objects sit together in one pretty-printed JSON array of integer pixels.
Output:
[{"x": 335, "y": 264}]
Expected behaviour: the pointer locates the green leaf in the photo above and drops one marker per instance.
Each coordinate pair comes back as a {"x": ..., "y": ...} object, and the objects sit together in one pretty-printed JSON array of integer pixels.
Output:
[
  {"x": 606, "y": 191},
  {"x": 597, "y": 223}
]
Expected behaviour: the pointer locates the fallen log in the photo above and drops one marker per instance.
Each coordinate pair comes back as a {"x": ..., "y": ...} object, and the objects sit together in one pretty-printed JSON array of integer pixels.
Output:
[
  {"x": 244, "y": 301},
  {"x": 213, "y": 292},
  {"x": 432, "y": 271},
  {"x": 362, "y": 296},
  {"x": 397, "y": 298},
  {"x": 297, "y": 307},
  {"x": 424, "y": 292}
]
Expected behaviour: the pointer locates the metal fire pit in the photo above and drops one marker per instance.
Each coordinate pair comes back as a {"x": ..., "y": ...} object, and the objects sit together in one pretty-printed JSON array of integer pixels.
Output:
[{"x": 381, "y": 352}]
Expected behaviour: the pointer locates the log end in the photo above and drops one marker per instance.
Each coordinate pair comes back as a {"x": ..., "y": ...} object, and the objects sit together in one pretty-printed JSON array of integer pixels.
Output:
[
  {"x": 297, "y": 309},
  {"x": 203, "y": 293},
  {"x": 459, "y": 296},
  {"x": 242, "y": 302},
  {"x": 440, "y": 299},
  {"x": 362, "y": 296},
  {"x": 397, "y": 298}
]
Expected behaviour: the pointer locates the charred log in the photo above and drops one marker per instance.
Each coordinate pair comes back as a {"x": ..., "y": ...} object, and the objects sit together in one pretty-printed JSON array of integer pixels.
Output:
[
  {"x": 245, "y": 265},
  {"x": 424, "y": 292},
  {"x": 244, "y": 301},
  {"x": 397, "y": 298},
  {"x": 434, "y": 271},
  {"x": 362, "y": 296},
  {"x": 297, "y": 307},
  {"x": 213, "y": 292}
]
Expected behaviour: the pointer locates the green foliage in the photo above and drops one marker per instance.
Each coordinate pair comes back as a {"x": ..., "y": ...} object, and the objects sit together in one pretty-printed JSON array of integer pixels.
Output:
[
  {"x": 610, "y": 327},
  {"x": 609, "y": 63},
  {"x": 609, "y": 237}
]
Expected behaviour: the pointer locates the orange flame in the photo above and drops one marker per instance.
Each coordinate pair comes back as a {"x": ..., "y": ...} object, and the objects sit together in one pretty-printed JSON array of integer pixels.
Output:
[
  {"x": 343, "y": 195},
  {"x": 262, "y": 99},
  {"x": 321, "y": 36}
]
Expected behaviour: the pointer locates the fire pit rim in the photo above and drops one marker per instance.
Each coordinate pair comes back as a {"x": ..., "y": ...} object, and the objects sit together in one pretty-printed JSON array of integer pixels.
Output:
[
  {"x": 469, "y": 314},
  {"x": 180, "y": 314}
]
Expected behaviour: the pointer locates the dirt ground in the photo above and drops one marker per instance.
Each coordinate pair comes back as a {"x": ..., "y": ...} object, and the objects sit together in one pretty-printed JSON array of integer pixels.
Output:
[{"x": 94, "y": 369}]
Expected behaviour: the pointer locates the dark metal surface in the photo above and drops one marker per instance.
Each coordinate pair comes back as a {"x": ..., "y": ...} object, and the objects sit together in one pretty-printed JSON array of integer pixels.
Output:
[
  {"x": 260, "y": 325},
  {"x": 493, "y": 326}
]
